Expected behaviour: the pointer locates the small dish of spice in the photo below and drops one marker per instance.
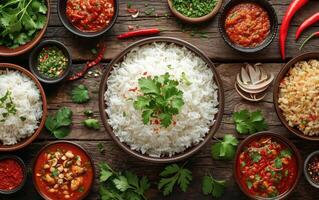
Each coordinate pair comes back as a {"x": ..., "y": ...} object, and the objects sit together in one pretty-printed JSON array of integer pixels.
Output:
[
  {"x": 311, "y": 169},
  {"x": 194, "y": 11},
  {"x": 50, "y": 61},
  {"x": 12, "y": 174}
]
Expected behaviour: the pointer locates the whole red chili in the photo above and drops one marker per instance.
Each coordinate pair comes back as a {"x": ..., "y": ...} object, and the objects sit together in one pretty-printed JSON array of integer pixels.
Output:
[
  {"x": 308, "y": 22},
  {"x": 309, "y": 38},
  {"x": 292, "y": 9},
  {"x": 142, "y": 32}
]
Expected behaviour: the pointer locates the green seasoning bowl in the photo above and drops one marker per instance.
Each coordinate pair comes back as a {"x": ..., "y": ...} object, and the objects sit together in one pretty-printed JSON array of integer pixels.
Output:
[{"x": 33, "y": 61}]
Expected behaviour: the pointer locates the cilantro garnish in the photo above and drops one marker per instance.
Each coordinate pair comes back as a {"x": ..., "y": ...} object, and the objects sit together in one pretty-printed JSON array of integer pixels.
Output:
[
  {"x": 160, "y": 99},
  {"x": 8, "y": 105},
  {"x": 249, "y": 122},
  {"x": 225, "y": 149},
  {"x": 100, "y": 147},
  {"x": 213, "y": 187},
  {"x": 80, "y": 94},
  {"x": 278, "y": 163},
  {"x": 173, "y": 174},
  {"x": 255, "y": 156},
  {"x": 92, "y": 123},
  {"x": 59, "y": 123}
]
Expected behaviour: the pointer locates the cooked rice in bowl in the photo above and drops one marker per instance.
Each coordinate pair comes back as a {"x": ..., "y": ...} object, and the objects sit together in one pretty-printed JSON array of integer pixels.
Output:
[
  {"x": 189, "y": 126},
  {"x": 20, "y": 107},
  {"x": 299, "y": 97}
]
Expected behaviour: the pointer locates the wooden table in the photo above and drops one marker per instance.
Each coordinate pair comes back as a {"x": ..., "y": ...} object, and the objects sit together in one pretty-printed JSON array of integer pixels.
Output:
[{"x": 228, "y": 63}]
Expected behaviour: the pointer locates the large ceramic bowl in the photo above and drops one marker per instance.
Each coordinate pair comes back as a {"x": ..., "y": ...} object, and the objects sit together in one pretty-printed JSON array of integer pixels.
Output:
[
  {"x": 283, "y": 72},
  {"x": 24, "y": 142},
  {"x": 191, "y": 150},
  {"x": 5, "y": 51}
]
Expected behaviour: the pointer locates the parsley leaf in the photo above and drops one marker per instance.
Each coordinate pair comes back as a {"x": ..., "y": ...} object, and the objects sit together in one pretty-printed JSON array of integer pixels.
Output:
[
  {"x": 173, "y": 174},
  {"x": 121, "y": 183},
  {"x": 211, "y": 186},
  {"x": 249, "y": 122},
  {"x": 255, "y": 156},
  {"x": 92, "y": 123},
  {"x": 278, "y": 163},
  {"x": 59, "y": 123},
  {"x": 100, "y": 147},
  {"x": 80, "y": 94},
  {"x": 225, "y": 149}
]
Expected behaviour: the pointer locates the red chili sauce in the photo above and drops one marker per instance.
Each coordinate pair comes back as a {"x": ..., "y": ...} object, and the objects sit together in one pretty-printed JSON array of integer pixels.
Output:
[
  {"x": 266, "y": 167},
  {"x": 247, "y": 24},
  {"x": 90, "y": 15},
  {"x": 11, "y": 174},
  {"x": 63, "y": 171}
]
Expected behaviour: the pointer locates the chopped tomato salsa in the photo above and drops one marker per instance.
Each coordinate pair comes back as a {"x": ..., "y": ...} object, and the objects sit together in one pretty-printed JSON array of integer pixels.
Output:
[
  {"x": 11, "y": 174},
  {"x": 266, "y": 167},
  {"x": 90, "y": 15},
  {"x": 247, "y": 24}
]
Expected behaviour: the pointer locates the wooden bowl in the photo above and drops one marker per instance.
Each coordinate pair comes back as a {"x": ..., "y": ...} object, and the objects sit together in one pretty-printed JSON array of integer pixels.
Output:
[
  {"x": 283, "y": 72},
  {"x": 5, "y": 51},
  {"x": 196, "y": 20},
  {"x": 191, "y": 150},
  {"x": 24, "y": 142},
  {"x": 280, "y": 138}
]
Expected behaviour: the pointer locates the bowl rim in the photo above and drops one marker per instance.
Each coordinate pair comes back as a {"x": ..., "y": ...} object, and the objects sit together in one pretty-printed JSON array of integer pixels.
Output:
[
  {"x": 315, "y": 153},
  {"x": 195, "y": 20},
  {"x": 282, "y": 73},
  {"x": 74, "y": 30},
  {"x": 25, "y": 174},
  {"x": 189, "y": 151},
  {"x": 43, "y": 148},
  {"x": 28, "y": 140},
  {"x": 28, "y": 46},
  {"x": 273, "y": 28},
  {"x": 35, "y": 53},
  {"x": 285, "y": 141}
]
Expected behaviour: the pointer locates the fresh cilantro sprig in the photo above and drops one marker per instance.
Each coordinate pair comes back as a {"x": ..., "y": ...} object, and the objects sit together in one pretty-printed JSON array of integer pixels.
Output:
[
  {"x": 92, "y": 123},
  {"x": 121, "y": 186},
  {"x": 160, "y": 99},
  {"x": 211, "y": 186},
  {"x": 225, "y": 149},
  {"x": 80, "y": 94},
  {"x": 173, "y": 174},
  {"x": 249, "y": 122},
  {"x": 58, "y": 124}
]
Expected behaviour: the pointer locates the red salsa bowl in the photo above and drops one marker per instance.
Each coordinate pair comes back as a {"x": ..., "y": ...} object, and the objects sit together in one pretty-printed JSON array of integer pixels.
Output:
[
  {"x": 63, "y": 170},
  {"x": 267, "y": 166}
]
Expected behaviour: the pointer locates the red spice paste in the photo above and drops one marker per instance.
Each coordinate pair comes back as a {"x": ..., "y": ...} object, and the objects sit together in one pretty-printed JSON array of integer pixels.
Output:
[{"x": 11, "y": 174}]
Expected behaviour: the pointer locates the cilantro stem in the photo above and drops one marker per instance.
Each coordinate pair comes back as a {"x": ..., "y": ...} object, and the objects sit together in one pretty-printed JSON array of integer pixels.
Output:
[{"x": 23, "y": 10}]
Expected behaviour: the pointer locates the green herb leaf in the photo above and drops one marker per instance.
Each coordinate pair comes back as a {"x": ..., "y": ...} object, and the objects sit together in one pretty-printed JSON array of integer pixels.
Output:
[
  {"x": 80, "y": 94},
  {"x": 225, "y": 149},
  {"x": 92, "y": 123},
  {"x": 213, "y": 187},
  {"x": 249, "y": 122},
  {"x": 278, "y": 163},
  {"x": 88, "y": 113},
  {"x": 61, "y": 132},
  {"x": 100, "y": 147},
  {"x": 249, "y": 184},
  {"x": 59, "y": 123},
  {"x": 255, "y": 156}
]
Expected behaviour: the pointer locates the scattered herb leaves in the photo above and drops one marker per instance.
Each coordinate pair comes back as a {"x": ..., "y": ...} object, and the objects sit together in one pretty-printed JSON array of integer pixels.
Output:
[
  {"x": 225, "y": 149},
  {"x": 92, "y": 123},
  {"x": 249, "y": 122},
  {"x": 7, "y": 104},
  {"x": 100, "y": 147},
  {"x": 88, "y": 113},
  {"x": 59, "y": 123},
  {"x": 80, "y": 94},
  {"x": 211, "y": 186}
]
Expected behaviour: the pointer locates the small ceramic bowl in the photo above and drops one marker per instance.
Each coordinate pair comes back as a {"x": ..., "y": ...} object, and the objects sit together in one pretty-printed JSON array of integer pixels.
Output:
[
  {"x": 273, "y": 25},
  {"x": 33, "y": 61},
  {"x": 196, "y": 20},
  {"x": 68, "y": 25},
  {"x": 305, "y": 171},
  {"x": 21, "y": 163}
]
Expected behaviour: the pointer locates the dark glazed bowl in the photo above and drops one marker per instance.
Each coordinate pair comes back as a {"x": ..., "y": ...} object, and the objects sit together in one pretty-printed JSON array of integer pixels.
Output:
[
  {"x": 280, "y": 138},
  {"x": 283, "y": 72},
  {"x": 191, "y": 150},
  {"x": 33, "y": 61},
  {"x": 273, "y": 27},
  {"x": 5, "y": 51},
  {"x": 21, "y": 163},
  {"x": 309, "y": 157},
  {"x": 68, "y": 25},
  {"x": 24, "y": 142},
  {"x": 71, "y": 144}
]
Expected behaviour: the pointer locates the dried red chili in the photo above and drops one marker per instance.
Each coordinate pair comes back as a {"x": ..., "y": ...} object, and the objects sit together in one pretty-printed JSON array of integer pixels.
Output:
[
  {"x": 11, "y": 174},
  {"x": 142, "y": 32},
  {"x": 308, "y": 22}
]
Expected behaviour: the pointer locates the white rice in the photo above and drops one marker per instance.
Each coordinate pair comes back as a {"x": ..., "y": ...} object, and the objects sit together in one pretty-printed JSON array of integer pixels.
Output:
[
  {"x": 193, "y": 121},
  {"x": 27, "y": 100}
]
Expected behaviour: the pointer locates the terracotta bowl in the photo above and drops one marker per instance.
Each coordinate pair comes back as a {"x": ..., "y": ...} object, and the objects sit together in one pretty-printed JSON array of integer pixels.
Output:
[
  {"x": 283, "y": 72},
  {"x": 191, "y": 150},
  {"x": 198, "y": 19},
  {"x": 24, "y": 142},
  {"x": 5, "y": 51},
  {"x": 280, "y": 138}
]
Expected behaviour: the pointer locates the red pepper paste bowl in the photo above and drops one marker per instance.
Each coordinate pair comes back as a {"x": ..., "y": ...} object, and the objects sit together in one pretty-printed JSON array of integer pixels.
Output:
[
  {"x": 82, "y": 26},
  {"x": 310, "y": 166},
  {"x": 13, "y": 174},
  {"x": 267, "y": 166}
]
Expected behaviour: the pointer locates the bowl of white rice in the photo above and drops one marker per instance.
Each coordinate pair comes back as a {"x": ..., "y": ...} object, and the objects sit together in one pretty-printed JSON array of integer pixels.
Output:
[
  {"x": 23, "y": 107},
  {"x": 161, "y": 99}
]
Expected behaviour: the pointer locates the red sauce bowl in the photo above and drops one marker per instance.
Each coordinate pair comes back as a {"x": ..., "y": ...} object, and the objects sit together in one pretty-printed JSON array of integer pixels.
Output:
[
  {"x": 39, "y": 171},
  {"x": 293, "y": 166},
  {"x": 13, "y": 174}
]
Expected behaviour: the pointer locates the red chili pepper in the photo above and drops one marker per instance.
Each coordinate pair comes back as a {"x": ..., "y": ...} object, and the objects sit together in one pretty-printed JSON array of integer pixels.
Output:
[
  {"x": 88, "y": 65},
  {"x": 132, "y": 10},
  {"x": 308, "y": 22},
  {"x": 310, "y": 37},
  {"x": 292, "y": 9},
  {"x": 142, "y": 32}
]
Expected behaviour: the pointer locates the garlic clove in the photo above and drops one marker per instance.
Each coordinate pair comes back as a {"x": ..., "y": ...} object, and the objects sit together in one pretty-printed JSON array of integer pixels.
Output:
[
  {"x": 244, "y": 76},
  {"x": 254, "y": 76}
]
